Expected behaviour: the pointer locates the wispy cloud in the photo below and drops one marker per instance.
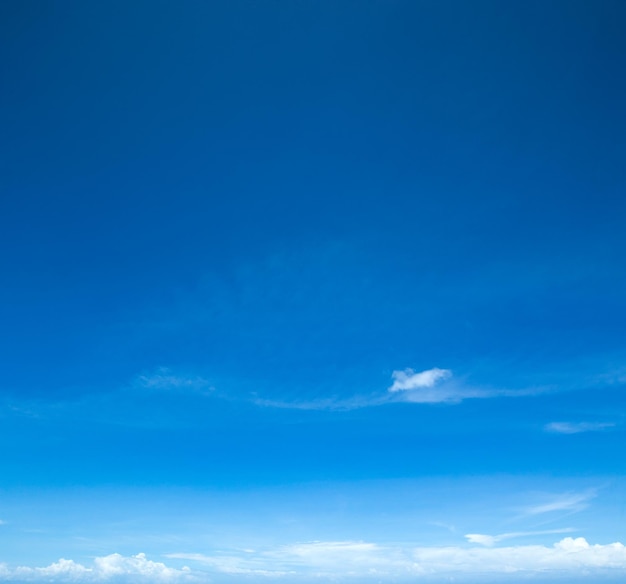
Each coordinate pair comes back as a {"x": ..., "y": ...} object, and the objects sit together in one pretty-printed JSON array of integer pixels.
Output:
[
  {"x": 491, "y": 540},
  {"x": 330, "y": 403},
  {"x": 340, "y": 559},
  {"x": 440, "y": 386},
  {"x": 577, "y": 427},
  {"x": 164, "y": 380},
  {"x": 431, "y": 386},
  {"x": 569, "y": 502}
]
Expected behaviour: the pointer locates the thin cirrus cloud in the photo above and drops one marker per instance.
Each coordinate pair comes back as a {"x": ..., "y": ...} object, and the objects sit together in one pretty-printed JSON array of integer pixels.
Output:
[
  {"x": 431, "y": 386},
  {"x": 439, "y": 386},
  {"x": 408, "y": 386},
  {"x": 577, "y": 427},
  {"x": 566, "y": 502},
  {"x": 164, "y": 380}
]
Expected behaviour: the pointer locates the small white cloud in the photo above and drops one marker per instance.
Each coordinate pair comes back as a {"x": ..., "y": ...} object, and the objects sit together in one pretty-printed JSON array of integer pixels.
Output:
[
  {"x": 409, "y": 380},
  {"x": 577, "y": 427},
  {"x": 433, "y": 386},
  {"x": 487, "y": 540}
]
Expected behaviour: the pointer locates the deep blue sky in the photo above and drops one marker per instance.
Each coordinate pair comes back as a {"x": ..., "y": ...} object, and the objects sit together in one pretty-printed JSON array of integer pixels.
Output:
[{"x": 228, "y": 227}]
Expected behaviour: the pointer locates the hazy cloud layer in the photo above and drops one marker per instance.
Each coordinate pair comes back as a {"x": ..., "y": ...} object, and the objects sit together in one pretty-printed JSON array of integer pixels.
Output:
[
  {"x": 336, "y": 560},
  {"x": 363, "y": 559},
  {"x": 491, "y": 540}
]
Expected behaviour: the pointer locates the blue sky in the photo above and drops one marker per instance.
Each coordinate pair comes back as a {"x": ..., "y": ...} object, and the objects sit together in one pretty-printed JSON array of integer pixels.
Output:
[{"x": 312, "y": 291}]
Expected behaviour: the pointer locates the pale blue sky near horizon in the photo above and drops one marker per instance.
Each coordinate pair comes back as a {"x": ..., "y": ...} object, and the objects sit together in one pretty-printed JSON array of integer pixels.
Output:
[{"x": 312, "y": 290}]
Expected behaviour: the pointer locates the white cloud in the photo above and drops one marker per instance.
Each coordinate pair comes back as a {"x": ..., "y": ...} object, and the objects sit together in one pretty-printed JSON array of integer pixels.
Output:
[
  {"x": 491, "y": 540},
  {"x": 246, "y": 564},
  {"x": 334, "y": 560},
  {"x": 116, "y": 565},
  {"x": 433, "y": 386},
  {"x": 481, "y": 539},
  {"x": 426, "y": 387},
  {"x": 577, "y": 427},
  {"x": 570, "y": 502},
  {"x": 408, "y": 380},
  {"x": 66, "y": 569},
  {"x": 111, "y": 568},
  {"x": 362, "y": 559},
  {"x": 568, "y": 555},
  {"x": 328, "y": 558}
]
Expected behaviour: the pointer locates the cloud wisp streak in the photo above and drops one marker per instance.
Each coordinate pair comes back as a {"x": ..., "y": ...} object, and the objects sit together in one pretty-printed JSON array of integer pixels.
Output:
[
  {"x": 164, "y": 380},
  {"x": 440, "y": 386},
  {"x": 431, "y": 386},
  {"x": 577, "y": 427},
  {"x": 491, "y": 540},
  {"x": 568, "y": 502}
]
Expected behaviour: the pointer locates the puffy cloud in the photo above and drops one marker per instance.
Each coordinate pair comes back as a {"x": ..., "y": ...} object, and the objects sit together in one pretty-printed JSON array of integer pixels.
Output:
[
  {"x": 117, "y": 565},
  {"x": 408, "y": 379},
  {"x": 111, "y": 568},
  {"x": 66, "y": 569}
]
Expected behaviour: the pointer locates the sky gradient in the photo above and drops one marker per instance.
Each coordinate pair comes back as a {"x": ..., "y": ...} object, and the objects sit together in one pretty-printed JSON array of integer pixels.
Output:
[{"x": 313, "y": 291}]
